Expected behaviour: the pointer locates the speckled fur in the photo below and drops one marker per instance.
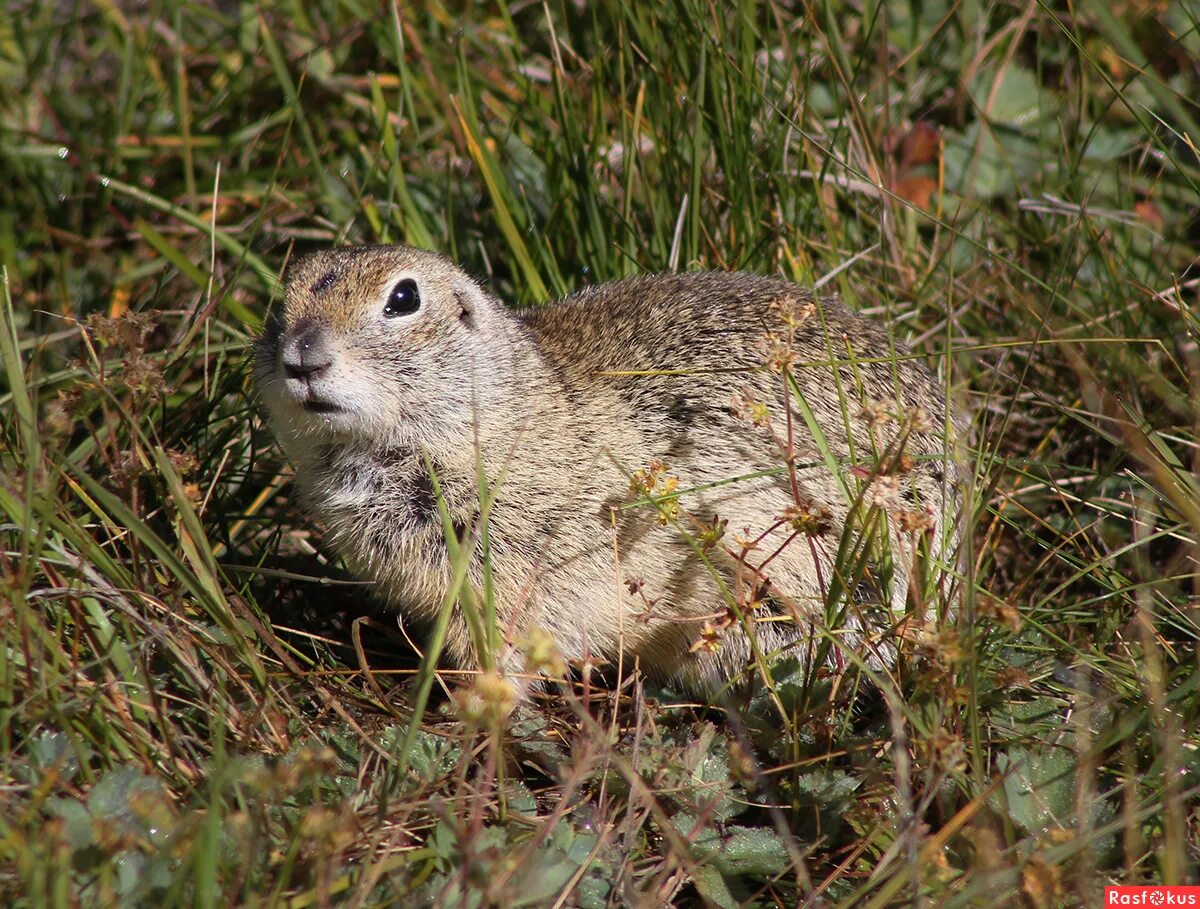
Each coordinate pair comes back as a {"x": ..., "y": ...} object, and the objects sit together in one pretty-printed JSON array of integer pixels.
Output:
[{"x": 533, "y": 392}]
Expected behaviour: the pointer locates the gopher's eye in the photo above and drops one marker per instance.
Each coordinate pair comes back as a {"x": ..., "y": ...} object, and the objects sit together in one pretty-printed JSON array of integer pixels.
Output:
[{"x": 404, "y": 299}]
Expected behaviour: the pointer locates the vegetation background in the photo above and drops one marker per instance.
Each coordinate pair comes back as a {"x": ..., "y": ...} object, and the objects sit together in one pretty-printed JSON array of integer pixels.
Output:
[{"x": 197, "y": 709}]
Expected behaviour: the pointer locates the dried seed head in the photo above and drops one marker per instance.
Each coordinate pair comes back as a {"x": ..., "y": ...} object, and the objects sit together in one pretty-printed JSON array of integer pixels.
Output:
[
  {"x": 651, "y": 480},
  {"x": 809, "y": 518},
  {"x": 709, "y": 639},
  {"x": 128, "y": 466},
  {"x": 655, "y": 482},
  {"x": 916, "y": 521},
  {"x": 143, "y": 376},
  {"x": 791, "y": 312},
  {"x": 1012, "y": 677},
  {"x": 712, "y": 533},
  {"x": 942, "y": 645},
  {"x": 1007, "y": 614},
  {"x": 919, "y": 420},
  {"x": 878, "y": 412},
  {"x": 742, "y": 764},
  {"x": 1043, "y": 883},
  {"x": 745, "y": 541},
  {"x": 488, "y": 700},
  {"x": 642, "y": 482},
  {"x": 883, "y": 491},
  {"x": 58, "y": 416},
  {"x": 759, "y": 413},
  {"x": 541, "y": 651},
  {"x": 185, "y": 464},
  {"x": 128, "y": 331},
  {"x": 777, "y": 353}
]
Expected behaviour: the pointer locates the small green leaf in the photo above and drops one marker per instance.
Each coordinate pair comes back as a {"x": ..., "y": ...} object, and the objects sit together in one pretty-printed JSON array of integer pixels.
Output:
[
  {"x": 1015, "y": 98},
  {"x": 713, "y": 888},
  {"x": 1039, "y": 785},
  {"x": 736, "y": 850},
  {"x": 821, "y": 799},
  {"x": 77, "y": 823}
]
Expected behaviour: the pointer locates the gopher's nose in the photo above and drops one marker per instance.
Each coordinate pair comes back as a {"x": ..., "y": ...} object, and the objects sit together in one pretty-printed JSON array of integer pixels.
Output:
[{"x": 305, "y": 353}]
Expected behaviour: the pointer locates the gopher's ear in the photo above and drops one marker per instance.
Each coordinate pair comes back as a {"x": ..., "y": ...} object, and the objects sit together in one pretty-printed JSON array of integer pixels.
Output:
[
  {"x": 466, "y": 309},
  {"x": 474, "y": 304}
]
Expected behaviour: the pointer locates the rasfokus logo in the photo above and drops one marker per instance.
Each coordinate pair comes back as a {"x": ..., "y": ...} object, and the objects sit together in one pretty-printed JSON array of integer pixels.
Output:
[{"x": 1152, "y": 896}]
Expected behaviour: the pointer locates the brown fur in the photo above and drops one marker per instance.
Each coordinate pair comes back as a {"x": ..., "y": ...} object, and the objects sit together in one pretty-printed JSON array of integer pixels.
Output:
[{"x": 546, "y": 398}]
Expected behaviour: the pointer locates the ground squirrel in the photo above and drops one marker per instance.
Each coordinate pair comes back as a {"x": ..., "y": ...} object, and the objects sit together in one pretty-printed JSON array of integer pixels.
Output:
[{"x": 672, "y": 390}]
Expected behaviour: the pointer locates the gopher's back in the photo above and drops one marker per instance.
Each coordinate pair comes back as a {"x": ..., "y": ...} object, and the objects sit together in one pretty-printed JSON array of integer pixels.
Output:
[
  {"x": 690, "y": 346},
  {"x": 726, "y": 379}
]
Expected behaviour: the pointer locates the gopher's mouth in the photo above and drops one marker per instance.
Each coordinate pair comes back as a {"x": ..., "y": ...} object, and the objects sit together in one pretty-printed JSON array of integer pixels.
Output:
[{"x": 315, "y": 405}]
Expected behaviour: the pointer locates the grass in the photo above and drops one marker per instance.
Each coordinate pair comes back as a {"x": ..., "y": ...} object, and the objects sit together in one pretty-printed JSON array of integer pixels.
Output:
[{"x": 198, "y": 707}]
